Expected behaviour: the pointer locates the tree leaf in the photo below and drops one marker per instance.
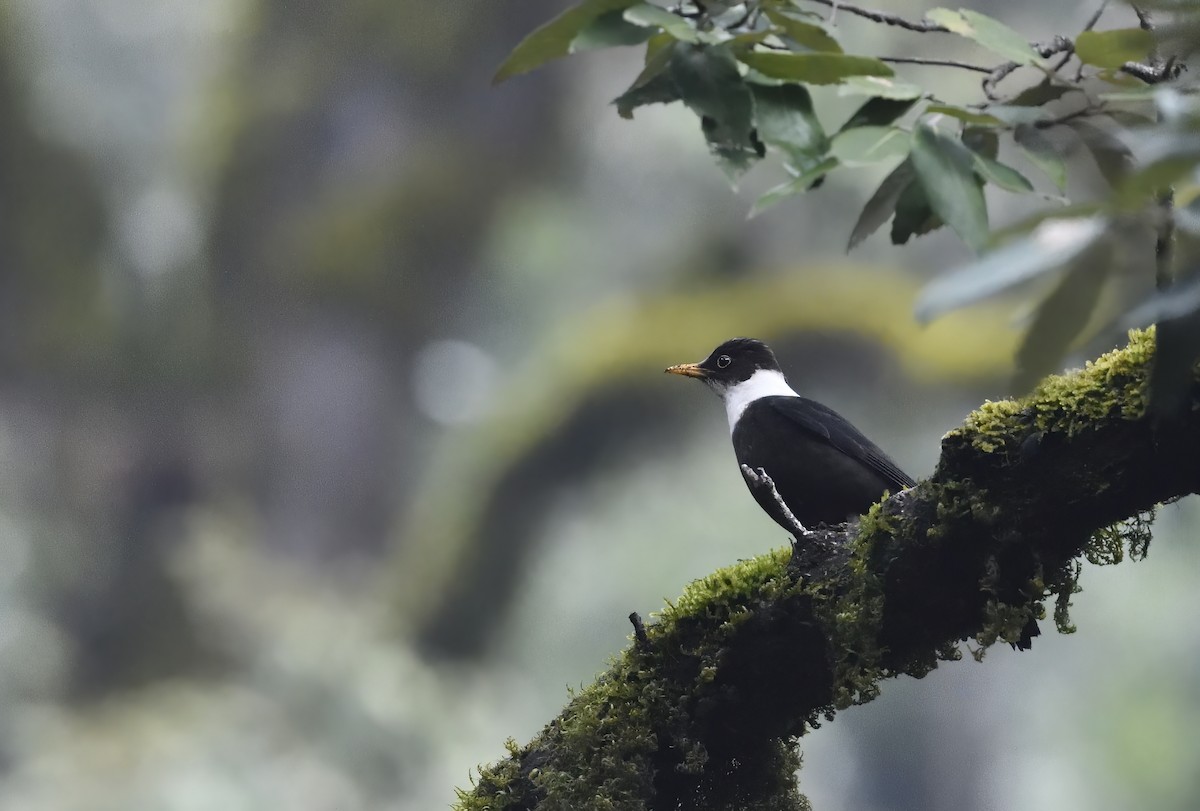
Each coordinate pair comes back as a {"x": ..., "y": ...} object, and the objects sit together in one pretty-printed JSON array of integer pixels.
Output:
[
  {"x": 710, "y": 84},
  {"x": 878, "y": 112},
  {"x": 678, "y": 27},
  {"x": 863, "y": 146},
  {"x": 879, "y": 86},
  {"x": 882, "y": 204},
  {"x": 914, "y": 215},
  {"x": 982, "y": 140},
  {"x": 653, "y": 85},
  {"x": 946, "y": 173},
  {"x": 609, "y": 30},
  {"x": 1112, "y": 49},
  {"x": 1058, "y": 322},
  {"x": 814, "y": 68},
  {"x": 1163, "y": 156},
  {"x": 1048, "y": 247},
  {"x": 1112, "y": 157},
  {"x": 1042, "y": 153},
  {"x": 1002, "y": 175},
  {"x": 969, "y": 116},
  {"x": 1041, "y": 93},
  {"x": 810, "y": 35},
  {"x": 553, "y": 40},
  {"x": 988, "y": 32},
  {"x": 798, "y": 185},
  {"x": 785, "y": 120},
  {"x": 1014, "y": 115}
]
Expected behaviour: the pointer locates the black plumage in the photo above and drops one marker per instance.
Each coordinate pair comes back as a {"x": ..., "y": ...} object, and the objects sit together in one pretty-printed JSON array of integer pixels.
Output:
[{"x": 823, "y": 467}]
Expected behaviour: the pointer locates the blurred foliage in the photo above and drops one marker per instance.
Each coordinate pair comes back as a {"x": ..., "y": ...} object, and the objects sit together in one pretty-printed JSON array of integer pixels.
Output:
[
  {"x": 1129, "y": 102},
  {"x": 50, "y": 241}
]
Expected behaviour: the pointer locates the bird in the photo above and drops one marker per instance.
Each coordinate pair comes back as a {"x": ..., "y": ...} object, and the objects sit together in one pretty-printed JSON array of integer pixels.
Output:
[{"x": 820, "y": 465}]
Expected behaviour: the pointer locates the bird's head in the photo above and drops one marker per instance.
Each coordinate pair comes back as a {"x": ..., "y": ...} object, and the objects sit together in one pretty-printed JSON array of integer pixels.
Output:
[{"x": 731, "y": 363}]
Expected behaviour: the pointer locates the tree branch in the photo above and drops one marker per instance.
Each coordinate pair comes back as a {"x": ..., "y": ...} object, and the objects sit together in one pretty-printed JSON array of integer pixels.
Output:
[
  {"x": 921, "y": 26},
  {"x": 947, "y": 63},
  {"x": 705, "y": 711}
]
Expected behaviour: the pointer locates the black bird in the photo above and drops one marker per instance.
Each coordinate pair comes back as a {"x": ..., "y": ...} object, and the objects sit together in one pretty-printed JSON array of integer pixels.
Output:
[{"x": 823, "y": 468}]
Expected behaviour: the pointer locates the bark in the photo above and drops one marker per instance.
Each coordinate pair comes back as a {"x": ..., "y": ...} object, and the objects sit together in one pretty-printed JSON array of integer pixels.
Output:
[{"x": 704, "y": 709}]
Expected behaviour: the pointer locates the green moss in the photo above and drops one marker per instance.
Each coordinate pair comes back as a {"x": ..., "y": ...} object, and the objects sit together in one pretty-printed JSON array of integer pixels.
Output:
[
  {"x": 606, "y": 742},
  {"x": 609, "y": 742},
  {"x": 1112, "y": 386}
]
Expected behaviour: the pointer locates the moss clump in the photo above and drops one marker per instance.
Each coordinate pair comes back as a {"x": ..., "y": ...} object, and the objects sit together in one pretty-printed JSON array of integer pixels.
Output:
[
  {"x": 1112, "y": 386},
  {"x": 608, "y": 748}
]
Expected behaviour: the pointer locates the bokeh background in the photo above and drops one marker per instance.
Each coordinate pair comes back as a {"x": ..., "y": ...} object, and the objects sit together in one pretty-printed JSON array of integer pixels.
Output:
[{"x": 336, "y": 448}]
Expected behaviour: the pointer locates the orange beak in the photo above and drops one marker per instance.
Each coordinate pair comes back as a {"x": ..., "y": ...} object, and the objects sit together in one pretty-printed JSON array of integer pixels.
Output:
[{"x": 687, "y": 370}]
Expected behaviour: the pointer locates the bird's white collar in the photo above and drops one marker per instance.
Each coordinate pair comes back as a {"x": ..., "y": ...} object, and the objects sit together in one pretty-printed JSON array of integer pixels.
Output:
[{"x": 763, "y": 383}]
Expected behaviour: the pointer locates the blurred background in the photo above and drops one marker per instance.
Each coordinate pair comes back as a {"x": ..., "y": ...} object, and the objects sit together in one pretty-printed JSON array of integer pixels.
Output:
[{"x": 336, "y": 446}]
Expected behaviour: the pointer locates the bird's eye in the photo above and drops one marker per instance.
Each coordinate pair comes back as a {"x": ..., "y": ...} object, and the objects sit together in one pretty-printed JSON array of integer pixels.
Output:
[{"x": 723, "y": 361}]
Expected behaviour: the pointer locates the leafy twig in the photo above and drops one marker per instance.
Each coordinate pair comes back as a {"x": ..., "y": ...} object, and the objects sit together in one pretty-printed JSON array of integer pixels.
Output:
[{"x": 1044, "y": 49}]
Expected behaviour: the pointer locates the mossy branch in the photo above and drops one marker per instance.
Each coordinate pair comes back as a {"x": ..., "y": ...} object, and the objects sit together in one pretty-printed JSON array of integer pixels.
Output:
[{"x": 703, "y": 710}]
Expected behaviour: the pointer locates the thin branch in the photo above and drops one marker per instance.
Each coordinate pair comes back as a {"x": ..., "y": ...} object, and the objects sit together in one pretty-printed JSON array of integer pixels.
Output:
[
  {"x": 1164, "y": 243},
  {"x": 947, "y": 63},
  {"x": 993, "y": 78},
  {"x": 1091, "y": 23},
  {"x": 1044, "y": 49},
  {"x": 1153, "y": 74},
  {"x": 879, "y": 17},
  {"x": 639, "y": 628}
]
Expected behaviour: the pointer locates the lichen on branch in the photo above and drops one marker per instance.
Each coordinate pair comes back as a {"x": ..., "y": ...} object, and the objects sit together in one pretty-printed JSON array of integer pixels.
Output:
[{"x": 704, "y": 711}]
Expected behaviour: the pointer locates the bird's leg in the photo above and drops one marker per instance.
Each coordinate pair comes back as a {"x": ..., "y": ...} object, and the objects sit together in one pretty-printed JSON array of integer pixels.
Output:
[{"x": 760, "y": 479}]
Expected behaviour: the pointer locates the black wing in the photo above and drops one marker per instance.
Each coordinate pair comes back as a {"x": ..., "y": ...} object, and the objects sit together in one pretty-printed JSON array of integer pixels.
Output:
[{"x": 835, "y": 429}]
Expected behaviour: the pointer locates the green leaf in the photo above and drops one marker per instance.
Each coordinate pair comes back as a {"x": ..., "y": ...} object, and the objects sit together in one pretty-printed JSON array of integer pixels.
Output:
[
  {"x": 878, "y": 112},
  {"x": 1112, "y": 49},
  {"x": 982, "y": 140},
  {"x": 1042, "y": 93},
  {"x": 710, "y": 84},
  {"x": 798, "y": 185},
  {"x": 969, "y": 116},
  {"x": 1014, "y": 115},
  {"x": 814, "y": 68},
  {"x": 1161, "y": 167},
  {"x": 553, "y": 40},
  {"x": 863, "y": 146},
  {"x": 1042, "y": 153},
  {"x": 914, "y": 215},
  {"x": 1112, "y": 157},
  {"x": 607, "y": 31},
  {"x": 785, "y": 120},
  {"x": 647, "y": 15},
  {"x": 1058, "y": 322},
  {"x": 810, "y": 35},
  {"x": 946, "y": 173},
  {"x": 988, "y": 32},
  {"x": 1002, "y": 175},
  {"x": 882, "y": 204},
  {"x": 1048, "y": 247},
  {"x": 654, "y": 84},
  {"x": 880, "y": 87}
]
